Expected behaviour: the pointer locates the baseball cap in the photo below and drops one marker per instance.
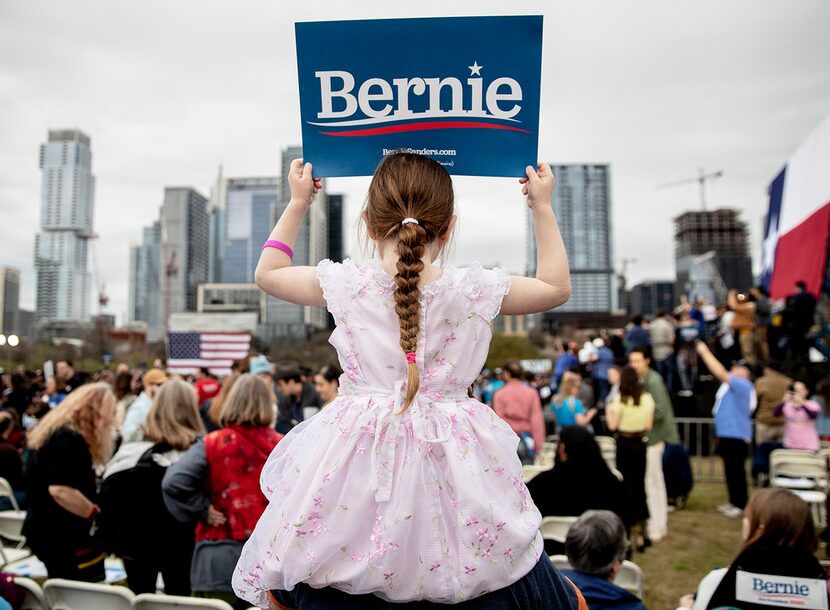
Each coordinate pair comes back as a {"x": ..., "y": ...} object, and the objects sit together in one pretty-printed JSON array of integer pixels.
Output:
[
  {"x": 259, "y": 365},
  {"x": 154, "y": 376}
]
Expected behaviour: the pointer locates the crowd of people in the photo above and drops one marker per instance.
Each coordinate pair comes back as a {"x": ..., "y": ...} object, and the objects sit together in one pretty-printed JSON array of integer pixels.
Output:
[
  {"x": 166, "y": 468},
  {"x": 149, "y": 456},
  {"x": 399, "y": 479}
]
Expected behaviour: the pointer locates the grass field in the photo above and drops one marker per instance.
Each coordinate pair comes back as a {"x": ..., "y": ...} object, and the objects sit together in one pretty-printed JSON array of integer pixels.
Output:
[{"x": 699, "y": 540}]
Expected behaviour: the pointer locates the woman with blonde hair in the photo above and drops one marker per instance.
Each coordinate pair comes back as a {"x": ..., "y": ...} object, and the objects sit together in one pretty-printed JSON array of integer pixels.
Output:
[
  {"x": 216, "y": 485},
  {"x": 567, "y": 408},
  {"x": 135, "y": 524},
  {"x": 65, "y": 447},
  {"x": 212, "y": 407}
]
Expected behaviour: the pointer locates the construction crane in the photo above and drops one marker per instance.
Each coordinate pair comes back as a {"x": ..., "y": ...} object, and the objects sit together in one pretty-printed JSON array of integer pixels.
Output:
[
  {"x": 623, "y": 274},
  {"x": 103, "y": 298},
  {"x": 701, "y": 180}
]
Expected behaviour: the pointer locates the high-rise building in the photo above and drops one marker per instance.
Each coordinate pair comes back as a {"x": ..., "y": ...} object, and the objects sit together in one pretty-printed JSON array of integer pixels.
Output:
[
  {"x": 145, "y": 272},
  {"x": 185, "y": 250},
  {"x": 10, "y": 301},
  {"x": 66, "y": 212},
  {"x": 647, "y": 298},
  {"x": 250, "y": 209},
  {"x": 337, "y": 246},
  {"x": 582, "y": 204},
  {"x": 216, "y": 248},
  {"x": 310, "y": 248},
  {"x": 218, "y": 216},
  {"x": 723, "y": 237}
]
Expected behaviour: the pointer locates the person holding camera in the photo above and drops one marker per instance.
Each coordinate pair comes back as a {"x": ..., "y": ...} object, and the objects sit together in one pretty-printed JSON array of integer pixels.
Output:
[{"x": 800, "y": 415}]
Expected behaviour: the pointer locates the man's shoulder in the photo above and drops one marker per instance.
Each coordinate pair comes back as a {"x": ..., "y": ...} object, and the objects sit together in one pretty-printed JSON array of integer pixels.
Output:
[
  {"x": 739, "y": 383},
  {"x": 652, "y": 379},
  {"x": 600, "y": 593}
]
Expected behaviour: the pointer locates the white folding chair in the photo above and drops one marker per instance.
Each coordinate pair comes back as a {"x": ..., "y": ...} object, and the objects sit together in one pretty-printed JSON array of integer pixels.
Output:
[
  {"x": 608, "y": 448},
  {"x": 547, "y": 456},
  {"x": 556, "y": 528},
  {"x": 630, "y": 578},
  {"x": 11, "y": 523},
  {"x": 155, "y": 601},
  {"x": 561, "y": 562},
  {"x": 796, "y": 469},
  {"x": 531, "y": 470},
  {"x": 64, "y": 594},
  {"x": 7, "y": 491},
  {"x": 10, "y": 555},
  {"x": 805, "y": 474},
  {"x": 34, "y": 599}
]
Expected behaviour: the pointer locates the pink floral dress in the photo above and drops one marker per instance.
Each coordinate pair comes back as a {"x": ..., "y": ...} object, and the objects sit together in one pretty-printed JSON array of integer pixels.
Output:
[{"x": 428, "y": 504}]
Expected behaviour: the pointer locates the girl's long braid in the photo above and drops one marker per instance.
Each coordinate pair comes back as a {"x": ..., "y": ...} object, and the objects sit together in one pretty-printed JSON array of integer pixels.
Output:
[
  {"x": 411, "y": 245},
  {"x": 405, "y": 186}
]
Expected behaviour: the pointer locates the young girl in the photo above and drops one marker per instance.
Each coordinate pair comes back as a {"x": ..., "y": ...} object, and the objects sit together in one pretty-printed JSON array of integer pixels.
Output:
[
  {"x": 567, "y": 408},
  {"x": 404, "y": 488}
]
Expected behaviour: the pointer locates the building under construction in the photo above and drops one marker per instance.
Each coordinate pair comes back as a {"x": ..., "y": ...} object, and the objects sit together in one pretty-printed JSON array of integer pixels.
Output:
[{"x": 712, "y": 253}]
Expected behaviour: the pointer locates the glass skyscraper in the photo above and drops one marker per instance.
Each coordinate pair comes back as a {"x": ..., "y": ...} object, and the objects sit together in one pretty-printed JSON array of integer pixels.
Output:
[
  {"x": 145, "y": 265},
  {"x": 250, "y": 208},
  {"x": 582, "y": 204},
  {"x": 66, "y": 211}
]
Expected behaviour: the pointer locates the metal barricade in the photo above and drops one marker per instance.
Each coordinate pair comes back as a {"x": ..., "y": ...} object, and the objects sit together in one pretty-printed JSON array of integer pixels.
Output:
[{"x": 698, "y": 435}]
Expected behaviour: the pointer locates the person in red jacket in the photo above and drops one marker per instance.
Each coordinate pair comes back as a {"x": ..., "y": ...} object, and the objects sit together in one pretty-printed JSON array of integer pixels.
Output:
[
  {"x": 216, "y": 485},
  {"x": 519, "y": 405}
]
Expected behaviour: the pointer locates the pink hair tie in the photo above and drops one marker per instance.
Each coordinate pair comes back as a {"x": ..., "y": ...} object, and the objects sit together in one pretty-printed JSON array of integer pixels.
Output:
[
  {"x": 410, "y": 357},
  {"x": 273, "y": 243}
]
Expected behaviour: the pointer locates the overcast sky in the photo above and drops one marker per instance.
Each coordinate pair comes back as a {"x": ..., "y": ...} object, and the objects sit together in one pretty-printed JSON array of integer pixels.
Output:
[{"x": 168, "y": 91}]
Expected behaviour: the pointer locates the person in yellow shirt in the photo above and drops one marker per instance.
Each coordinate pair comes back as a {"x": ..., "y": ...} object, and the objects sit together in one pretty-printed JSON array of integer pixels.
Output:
[{"x": 631, "y": 416}]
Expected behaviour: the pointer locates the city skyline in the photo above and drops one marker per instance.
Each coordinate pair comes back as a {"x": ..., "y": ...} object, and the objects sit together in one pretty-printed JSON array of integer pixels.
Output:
[{"x": 737, "y": 93}]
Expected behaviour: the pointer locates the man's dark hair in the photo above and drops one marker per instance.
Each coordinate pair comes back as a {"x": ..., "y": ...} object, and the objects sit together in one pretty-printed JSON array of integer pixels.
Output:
[
  {"x": 773, "y": 365},
  {"x": 513, "y": 368},
  {"x": 643, "y": 349},
  {"x": 661, "y": 313},
  {"x": 637, "y": 320},
  {"x": 289, "y": 373},
  {"x": 801, "y": 284},
  {"x": 205, "y": 371}
]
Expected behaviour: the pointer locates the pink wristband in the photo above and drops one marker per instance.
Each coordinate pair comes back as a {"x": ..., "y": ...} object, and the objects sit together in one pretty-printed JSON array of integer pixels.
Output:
[{"x": 273, "y": 243}]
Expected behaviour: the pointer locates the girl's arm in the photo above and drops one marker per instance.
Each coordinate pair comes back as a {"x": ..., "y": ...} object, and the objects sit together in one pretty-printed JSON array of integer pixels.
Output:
[
  {"x": 552, "y": 285},
  {"x": 274, "y": 273},
  {"x": 612, "y": 416}
]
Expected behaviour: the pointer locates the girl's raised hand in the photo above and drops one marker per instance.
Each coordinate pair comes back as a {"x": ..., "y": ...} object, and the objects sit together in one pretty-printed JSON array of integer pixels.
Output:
[
  {"x": 302, "y": 184},
  {"x": 538, "y": 185}
]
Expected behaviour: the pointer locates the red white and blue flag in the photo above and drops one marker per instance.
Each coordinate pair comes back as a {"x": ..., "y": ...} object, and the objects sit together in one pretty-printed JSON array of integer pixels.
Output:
[
  {"x": 798, "y": 221},
  {"x": 189, "y": 351}
]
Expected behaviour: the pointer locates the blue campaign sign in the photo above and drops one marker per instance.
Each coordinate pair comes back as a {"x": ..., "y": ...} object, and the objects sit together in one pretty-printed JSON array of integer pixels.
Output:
[{"x": 463, "y": 90}]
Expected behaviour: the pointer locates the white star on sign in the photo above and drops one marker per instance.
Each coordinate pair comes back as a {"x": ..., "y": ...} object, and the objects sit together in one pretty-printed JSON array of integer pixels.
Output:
[{"x": 475, "y": 69}]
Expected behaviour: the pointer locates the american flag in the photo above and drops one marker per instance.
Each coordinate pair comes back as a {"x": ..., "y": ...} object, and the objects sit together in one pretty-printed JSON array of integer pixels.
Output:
[{"x": 187, "y": 351}]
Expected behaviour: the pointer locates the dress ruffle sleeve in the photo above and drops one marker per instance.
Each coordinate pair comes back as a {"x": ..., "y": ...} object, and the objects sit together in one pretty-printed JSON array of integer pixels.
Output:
[
  {"x": 330, "y": 275},
  {"x": 486, "y": 289}
]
